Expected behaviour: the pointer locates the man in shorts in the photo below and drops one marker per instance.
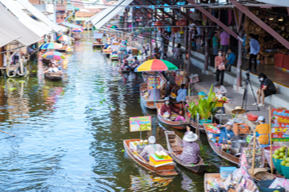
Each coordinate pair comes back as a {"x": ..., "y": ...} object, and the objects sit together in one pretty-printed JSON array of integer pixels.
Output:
[
  {"x": 266, "y": 89},
  {"x": 224, "y": 41}
]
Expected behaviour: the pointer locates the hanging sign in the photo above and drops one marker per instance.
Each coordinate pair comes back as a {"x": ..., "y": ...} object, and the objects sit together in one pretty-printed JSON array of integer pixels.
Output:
[
  {"x": 280, "y": 125},
  {"x": 154, "y": 81},
  {"x": 142, "y": 123}
]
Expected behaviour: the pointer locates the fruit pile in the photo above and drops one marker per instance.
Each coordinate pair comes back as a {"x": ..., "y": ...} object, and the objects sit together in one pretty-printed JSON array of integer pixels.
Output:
[{"x": 281, "y": 154}]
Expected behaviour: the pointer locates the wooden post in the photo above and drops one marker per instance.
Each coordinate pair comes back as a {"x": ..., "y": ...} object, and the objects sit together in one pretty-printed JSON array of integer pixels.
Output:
[
  {"x": 254, "y": 147},
  {"x": 270, "y": 137},
  {"x": 239, "y": 63},
  {"x": 206, "y": 50},
  {"x": 189, "y": 52}
]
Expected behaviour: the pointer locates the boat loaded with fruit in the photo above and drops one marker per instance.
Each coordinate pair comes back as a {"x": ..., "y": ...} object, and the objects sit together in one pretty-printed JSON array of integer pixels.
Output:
[{"x": 150, "y": 156}]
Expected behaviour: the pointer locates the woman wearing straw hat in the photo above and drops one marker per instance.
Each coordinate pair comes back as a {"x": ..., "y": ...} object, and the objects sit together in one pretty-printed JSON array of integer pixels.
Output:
[{"x": 191, "y": 149}]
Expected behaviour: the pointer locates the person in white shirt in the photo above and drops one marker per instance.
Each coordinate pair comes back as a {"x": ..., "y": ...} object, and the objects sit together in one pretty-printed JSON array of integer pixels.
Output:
[
  {"x": 52, "y": 69},
  {"x": 219, "y": 89}
]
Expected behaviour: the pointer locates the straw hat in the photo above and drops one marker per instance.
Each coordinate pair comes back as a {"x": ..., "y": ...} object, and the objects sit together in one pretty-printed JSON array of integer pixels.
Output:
[
  {"x": 190, "y": 137},
  {"x": 239, "y": 110},
  {"x": 152, "y": 139}
]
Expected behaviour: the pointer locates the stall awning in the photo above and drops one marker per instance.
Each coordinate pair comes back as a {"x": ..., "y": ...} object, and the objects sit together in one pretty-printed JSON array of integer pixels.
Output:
[
  {"x": 283, "y": 3},
  {"x": 70, "y": 25},
  {"x": 106, "y": 15},
  {"x": 97, "y": 35},
  {"x": 40, "y": 16},
  {"x": 11, "y": 24},
  {"x": 39, "y": 28},
  {"x": 7, "y": 37}
]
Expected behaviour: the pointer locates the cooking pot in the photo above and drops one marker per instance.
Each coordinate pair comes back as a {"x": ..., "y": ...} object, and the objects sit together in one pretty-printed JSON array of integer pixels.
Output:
[{"x": 239, "y": 144}]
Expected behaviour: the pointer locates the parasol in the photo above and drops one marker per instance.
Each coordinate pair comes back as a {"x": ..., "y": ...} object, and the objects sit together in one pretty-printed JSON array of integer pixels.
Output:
[
  {"x": 156, "y": 65},
  {"x": 53, "y": 55},
  {"x": 63, "y": 38},
  {"x": 77, "y": 30},
  {"x": 50, "y": 46}
]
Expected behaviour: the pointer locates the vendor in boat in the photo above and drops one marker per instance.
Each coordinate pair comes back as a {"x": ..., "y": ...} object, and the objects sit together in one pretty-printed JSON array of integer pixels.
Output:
[
  {"x": 191, "y": 149},
  {"x": 262, "y": 131},
  {"x": 154, "y": 94},
  {"x": 182, "y": 93},
  {"x": 151, "y": 148},
  {"x": 226, "y": 133},
  {"x": 167, "y": 107},
  {"x": 52, "y": 69},
  {"x": 135, "y": 63}
]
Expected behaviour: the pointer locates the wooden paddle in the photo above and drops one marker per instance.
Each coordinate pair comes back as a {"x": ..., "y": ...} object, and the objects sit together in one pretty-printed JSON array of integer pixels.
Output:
[{"x": 8, "y": 133}]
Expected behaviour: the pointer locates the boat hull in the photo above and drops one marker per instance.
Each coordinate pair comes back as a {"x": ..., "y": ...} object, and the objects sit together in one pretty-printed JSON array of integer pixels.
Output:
[{"x": 53, "y": 77}]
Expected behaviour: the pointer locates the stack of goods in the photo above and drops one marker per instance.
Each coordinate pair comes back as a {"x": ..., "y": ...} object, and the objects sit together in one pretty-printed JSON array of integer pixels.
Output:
[
  {"x": 160, "y": 158},
  {"x": 241, "y": 129},
  {"x": 137, "y": 146}
]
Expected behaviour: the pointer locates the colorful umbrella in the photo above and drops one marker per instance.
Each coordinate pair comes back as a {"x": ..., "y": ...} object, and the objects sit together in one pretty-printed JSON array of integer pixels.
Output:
[
  {"x": 53, "y": 55},
  {"x": 156, "y": 65},
  {"x": 77, "y": 30},
  {"x": 50, "y": 46},
  {"x": 112, "y": 27},
  {"x": 63, "y": 38}
]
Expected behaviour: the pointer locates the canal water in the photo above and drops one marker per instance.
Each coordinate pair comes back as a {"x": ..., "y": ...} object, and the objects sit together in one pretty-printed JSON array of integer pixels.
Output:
[{"x": 69, "y": 134}]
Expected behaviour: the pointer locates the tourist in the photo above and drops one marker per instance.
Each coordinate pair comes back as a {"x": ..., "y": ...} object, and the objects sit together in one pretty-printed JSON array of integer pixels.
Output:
[
  {"x": 224, "y": 41},
  {"x": 254, "y": 50},
  {"x": 230, "y": 60},
  {"x": 266, "y": 89},
  {"x": 182, "y": 93},
  {"x": 191, "y": 149},
  {"x": 220, "y": 90},
  {"x": 216, "y": 44},
  {"x": 168, "y": 108},
  {"x": 178, "y": 51},
  {"x": 52, "y": 69},
  {"x": 151, "y": 148},
  {"x": 154, "y": 93},
  {"x": 220, "y": 67},
  {"x": 226, "y": 133},
  {"x": 262, "y": 131}
]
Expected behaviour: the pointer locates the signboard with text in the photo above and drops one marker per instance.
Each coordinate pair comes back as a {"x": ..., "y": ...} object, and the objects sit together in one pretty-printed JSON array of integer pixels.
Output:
[
  {"x": 142, "y": 123},
  {"x": 280, "y": 125},
  {"x": 154, "y": 81}
]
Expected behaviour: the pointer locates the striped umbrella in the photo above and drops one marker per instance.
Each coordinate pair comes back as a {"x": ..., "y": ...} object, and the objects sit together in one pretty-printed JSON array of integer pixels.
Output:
[
  {"x": 77, "y": 30},
  {"x": 63, "y": 38},
  {"x": 50, "y": 46},
  {"x": 53, "y": 55}
]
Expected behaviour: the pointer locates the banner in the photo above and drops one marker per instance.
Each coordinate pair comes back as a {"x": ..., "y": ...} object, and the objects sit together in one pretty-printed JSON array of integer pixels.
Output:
[
  {"x": 280, "y": 125},
  {"x": 140, "y": 123},
  {"x": 154, "y": 81}
]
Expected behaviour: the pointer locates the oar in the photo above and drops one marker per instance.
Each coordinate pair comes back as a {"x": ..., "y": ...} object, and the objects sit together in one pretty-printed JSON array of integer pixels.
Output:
[{"x": 8, "y": 133}]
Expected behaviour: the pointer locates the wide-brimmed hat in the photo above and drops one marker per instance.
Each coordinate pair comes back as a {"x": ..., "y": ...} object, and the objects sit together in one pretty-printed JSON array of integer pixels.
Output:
[
  {"x": 238, "y": 110},
  {"x": 191, "y": 137},
  {"x": 152, "y": 139}
]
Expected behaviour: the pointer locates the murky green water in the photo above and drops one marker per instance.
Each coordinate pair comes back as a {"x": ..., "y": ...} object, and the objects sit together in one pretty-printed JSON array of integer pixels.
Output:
[{"x": 70, "y": 133}]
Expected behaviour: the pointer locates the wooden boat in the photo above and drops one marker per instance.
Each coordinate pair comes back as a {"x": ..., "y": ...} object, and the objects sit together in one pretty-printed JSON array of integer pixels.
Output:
[
  {"x": 113, "y": 58},
  {"x": 210, "y": 175},
  {"x": 53, "y": 76},
  {"x": 175, "y": 147},
  {"x": 171, "y": 123},
  {"x": 150, "y": 104},
  {"x": 220, "y": 152},
  {"x": 162, "y": 170},
  {"x": 97, "y": 45}
]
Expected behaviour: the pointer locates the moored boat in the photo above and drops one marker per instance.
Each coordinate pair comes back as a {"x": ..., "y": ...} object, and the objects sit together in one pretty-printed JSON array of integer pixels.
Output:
[
  {"x": 162, "y": 170},
  {"x": 228, "y": 156},
  {"x": 53, "y": 76},
  {"x": 150, "y": 104},
  {"x": 206, "y": 179},
  {"x": 175, "y": 147},
  {"x": 171, "y": 122}
]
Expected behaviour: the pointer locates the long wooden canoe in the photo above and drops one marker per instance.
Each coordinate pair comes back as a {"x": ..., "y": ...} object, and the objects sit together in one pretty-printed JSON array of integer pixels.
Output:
[
  {"x": 220, "y": 152},
  {"x": 210, "y": 175},
  {"x": 170, "y": 123},
  {"x": 163, "y": 170},
  {"x": 175, "y": 147},
  {"x": 53, "y": 76},
  {"x": 150, "y": 104}
]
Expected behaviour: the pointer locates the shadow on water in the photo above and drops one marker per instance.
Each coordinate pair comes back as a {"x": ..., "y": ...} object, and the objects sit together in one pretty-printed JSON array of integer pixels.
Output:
[{"x": 70, "y": 134}]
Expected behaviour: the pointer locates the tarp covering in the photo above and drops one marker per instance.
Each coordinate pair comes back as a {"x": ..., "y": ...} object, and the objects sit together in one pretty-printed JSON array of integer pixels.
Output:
[
  {"x": 7, "y": 37},
  {"x": 70, "y": 25},
  {"x": 97, "y": 35},
  {"x": 40, "y": 16},
  {"x": 106, "y": 15},
  {"x": 12, "y": 24},
  {"x": 39, "y": 28}
]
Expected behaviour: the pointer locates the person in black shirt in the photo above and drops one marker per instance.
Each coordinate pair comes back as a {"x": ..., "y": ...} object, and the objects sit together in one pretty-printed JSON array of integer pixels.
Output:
[{"x": 266, "y": 89}]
